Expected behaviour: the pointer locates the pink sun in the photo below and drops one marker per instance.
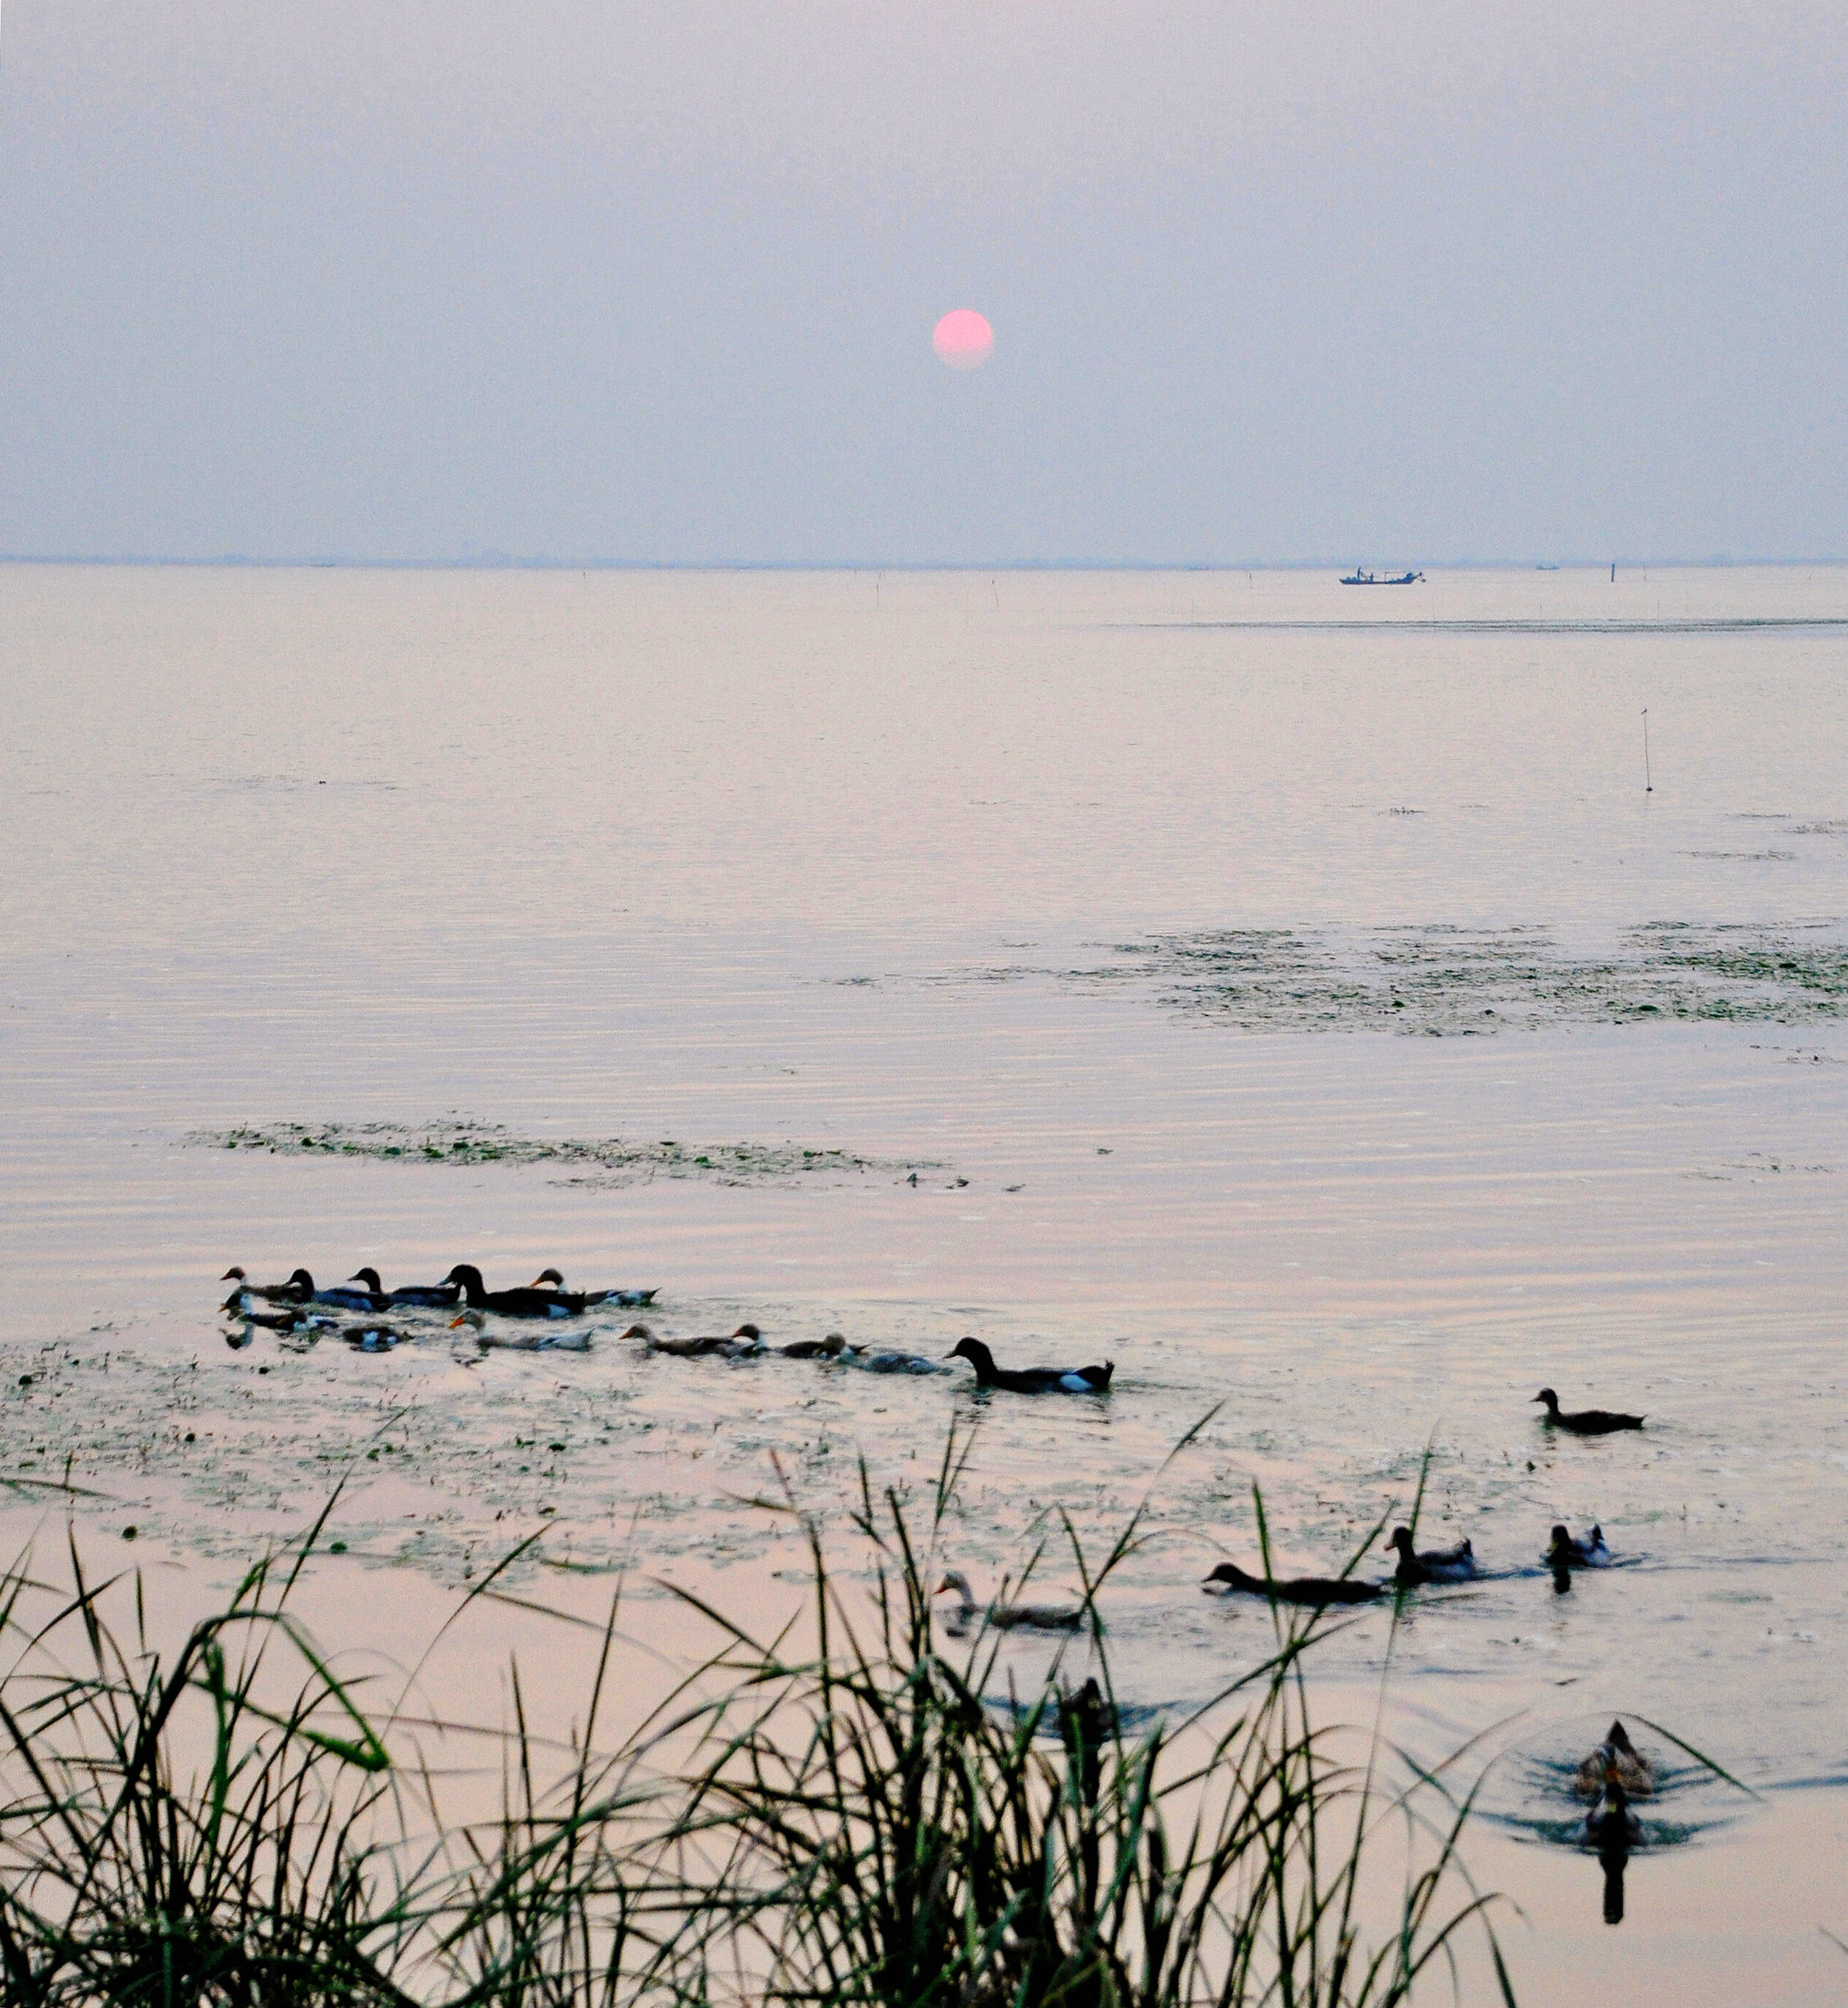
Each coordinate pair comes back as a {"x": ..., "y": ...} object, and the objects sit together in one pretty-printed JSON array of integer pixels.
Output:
[{"x": 963, "y": 339}]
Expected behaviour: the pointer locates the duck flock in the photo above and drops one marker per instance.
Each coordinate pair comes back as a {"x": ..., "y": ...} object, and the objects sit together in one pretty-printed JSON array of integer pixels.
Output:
[{"x": 544, "y": 1314}]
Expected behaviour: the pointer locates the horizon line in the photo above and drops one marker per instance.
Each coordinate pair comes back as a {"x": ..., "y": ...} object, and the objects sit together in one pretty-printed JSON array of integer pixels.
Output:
[{"x": 501, "y": 561}]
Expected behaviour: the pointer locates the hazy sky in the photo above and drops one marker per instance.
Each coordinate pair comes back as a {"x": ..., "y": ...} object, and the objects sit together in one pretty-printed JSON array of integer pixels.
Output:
[{"x": 655, "y": 279}]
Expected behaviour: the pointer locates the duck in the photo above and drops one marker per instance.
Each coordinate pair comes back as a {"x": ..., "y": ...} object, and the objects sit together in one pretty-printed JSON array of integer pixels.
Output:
[
  {"x": 372, "y": 1336},
  {"x": 1033, "y": 1379},
  {"x": 1318, "y": 1591},
  {"x": 830, "y": 1347},
  {"x": 356, "y": 1294},
  {"x": 746, "y": 1340},
  {"x": 547, "y": 1339},
  {"x": 1008, "y": 1617},
  {"x": 629, "y": 1299},
  {"x": 1452, "y": 1564},
  {"x": 297, "y": 1290},
  {"x": 1584, "y": 1422},
  {"x": 238, "y": 1305},
  {"x": 892, "y": 1363},
  {"x": 1563, "y": 1552},
  {"x": 418, "y": 1296},
  {"x": 1617, "y": 1753},
  {"x": 1612, "y": 1826},
  {"x": 297, "y": 1327},
  {"x": 528, "y": 1302}
]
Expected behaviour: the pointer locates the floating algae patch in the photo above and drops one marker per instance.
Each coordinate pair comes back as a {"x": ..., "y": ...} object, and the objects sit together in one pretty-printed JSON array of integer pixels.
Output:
[
  {"x": 605, "y": 1162},
  {"x": 1448, "y": 981}
]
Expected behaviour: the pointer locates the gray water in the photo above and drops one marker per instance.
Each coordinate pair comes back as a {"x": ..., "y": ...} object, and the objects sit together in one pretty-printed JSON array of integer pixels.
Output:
[{"x": 1289, "y": 993}]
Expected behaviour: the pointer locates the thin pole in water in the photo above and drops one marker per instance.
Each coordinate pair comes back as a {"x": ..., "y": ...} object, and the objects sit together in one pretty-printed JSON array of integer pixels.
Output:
[
  {"x": 1648, "y": 783},
  {"x": 1613, "y": 572}
]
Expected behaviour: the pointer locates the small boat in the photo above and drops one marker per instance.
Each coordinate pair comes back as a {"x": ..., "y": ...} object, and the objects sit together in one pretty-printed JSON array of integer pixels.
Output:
[
  {"x": 1008, "y": 1617},
  {"x": 1318, "y": 1591},
  {"x": 1356, "y": 577}
]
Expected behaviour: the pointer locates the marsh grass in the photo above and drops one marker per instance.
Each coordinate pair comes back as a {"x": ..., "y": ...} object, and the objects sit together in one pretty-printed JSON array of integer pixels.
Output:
[{"x": 860, "y": 1808}]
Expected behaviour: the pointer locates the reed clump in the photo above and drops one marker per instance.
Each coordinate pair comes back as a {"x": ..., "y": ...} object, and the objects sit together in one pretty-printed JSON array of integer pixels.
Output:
[{"x": 859, "y": 1810}]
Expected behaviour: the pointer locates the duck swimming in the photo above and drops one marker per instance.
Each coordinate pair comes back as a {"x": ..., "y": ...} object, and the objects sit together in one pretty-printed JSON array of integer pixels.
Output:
[
  {"x": 297, "y": 1290},
  {"x": 1611, "y": 1826},
  {"x": 237, "y": 1305},
  {"x": 743, "y": 1342},
  {"x": 830, "y": 1347},
  {"x": 545, "y": 1338},
  {"x": 1009, "y": 1617},
  {"x": 1584, "y": 1422},
  {"x": 372, "y": 1336},
  {"x": 1318, "y": 1591},
  {"x": 1452, "y": 1564},
  {"x": 355, "y": 1295},
  {"x": 628, "y": 1299},
  {"x": 891, "y": 1363},
  {"x": 1617, "y": 1755},
  {"x": 1566, "y": 1553},
  {"x": 1033, "y": 1379},
  {"x": 416, "y": 1297},
  {"x": 528, "y": 1302}
]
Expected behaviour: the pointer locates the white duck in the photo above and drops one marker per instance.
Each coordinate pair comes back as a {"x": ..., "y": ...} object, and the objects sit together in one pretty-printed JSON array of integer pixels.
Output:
[{"x": 1008, "y": 1617}]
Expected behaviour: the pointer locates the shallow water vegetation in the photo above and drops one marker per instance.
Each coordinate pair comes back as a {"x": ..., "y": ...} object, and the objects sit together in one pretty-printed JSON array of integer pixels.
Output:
[
  {"x": 849, "y": 1811},
  {"x": 610, "y": 1161},
  {"x": 1450, "y": 981}
]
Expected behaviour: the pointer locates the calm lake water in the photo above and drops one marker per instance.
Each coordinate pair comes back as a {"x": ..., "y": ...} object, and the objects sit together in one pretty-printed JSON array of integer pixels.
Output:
[{"x": 1291, "y": 994}]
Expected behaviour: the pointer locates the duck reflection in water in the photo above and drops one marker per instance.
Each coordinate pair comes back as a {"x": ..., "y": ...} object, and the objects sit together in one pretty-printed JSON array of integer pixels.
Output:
[{"x": 1612, "y": 1828}]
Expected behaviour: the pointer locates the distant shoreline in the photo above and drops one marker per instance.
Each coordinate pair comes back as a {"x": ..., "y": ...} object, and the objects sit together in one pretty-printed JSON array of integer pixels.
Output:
[{"x": 236, "y": 562}]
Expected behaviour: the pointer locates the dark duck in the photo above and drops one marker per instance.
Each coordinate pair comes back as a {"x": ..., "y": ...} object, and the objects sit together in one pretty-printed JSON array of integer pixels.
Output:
[
  {"x": 415, "y": 1296},
  {"x": 1567, "y": 1551},
  {"x": 299, "y": 1289},
  {"x": 527, "y": 1302},
  {"x": 1584, "y": 1422},
  {"x": 1317, "y": 1592},
  {"x": 1612, "y": 1828},
  {"x": 1033, "y": 1379},
  {"x": 1423, "y": 1565}
]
